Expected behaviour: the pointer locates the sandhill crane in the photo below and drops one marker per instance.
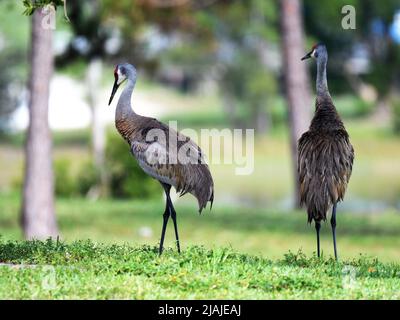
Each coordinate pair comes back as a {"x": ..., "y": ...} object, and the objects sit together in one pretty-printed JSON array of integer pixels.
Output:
[
  {"x": 163, "y": 153},
  {"x": 325, "y": 155}
]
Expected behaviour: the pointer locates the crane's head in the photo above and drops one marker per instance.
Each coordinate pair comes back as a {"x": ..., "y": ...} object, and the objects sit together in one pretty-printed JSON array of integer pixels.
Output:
[
  {"x": 317, "y": 51},
  {"x": 122, "y": 72}
]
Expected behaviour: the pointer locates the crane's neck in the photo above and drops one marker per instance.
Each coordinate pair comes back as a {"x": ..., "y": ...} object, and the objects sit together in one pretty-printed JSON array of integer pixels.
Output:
[
  {"x": 124, "y": 109},
  {"x": 322, "y": 82}
]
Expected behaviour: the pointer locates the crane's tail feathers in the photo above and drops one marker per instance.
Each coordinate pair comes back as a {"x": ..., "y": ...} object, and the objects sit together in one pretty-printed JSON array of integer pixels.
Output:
[
  {"x": 316, "y": 215},
  {"x": 203, "y": 204}
]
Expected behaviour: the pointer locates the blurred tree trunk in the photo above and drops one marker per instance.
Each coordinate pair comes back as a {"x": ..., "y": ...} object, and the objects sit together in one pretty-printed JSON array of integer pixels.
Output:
[
  {"x": 296, "y": 79},
  {"x": 94, "y": 72},
  {"x": 38, "y": 216}
]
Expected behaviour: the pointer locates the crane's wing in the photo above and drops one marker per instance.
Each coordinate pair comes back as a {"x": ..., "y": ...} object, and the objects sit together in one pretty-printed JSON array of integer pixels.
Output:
[{"x": 173, "y": 158}]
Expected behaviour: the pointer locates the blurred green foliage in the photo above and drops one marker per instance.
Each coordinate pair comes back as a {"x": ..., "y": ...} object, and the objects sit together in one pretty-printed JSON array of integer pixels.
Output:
[
  {"x": 13, "y": 52},
  {"x": 88, "y": 178},
  {"x": 350, "y": 106},
  {"x": 323, "y": 24},
  {"x": 76, "y": 137},
  {"x": 32, "y": 5},
  {"x": 65, "y": 182},
  {"x": 204, "y": 32},
  {"x": 251, "y": 88}
]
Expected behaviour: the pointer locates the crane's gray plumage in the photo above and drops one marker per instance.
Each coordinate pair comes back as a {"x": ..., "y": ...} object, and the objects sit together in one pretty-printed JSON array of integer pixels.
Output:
[
  {"x": 325, "y": 154},
  {"x": 176, "y": 162}
]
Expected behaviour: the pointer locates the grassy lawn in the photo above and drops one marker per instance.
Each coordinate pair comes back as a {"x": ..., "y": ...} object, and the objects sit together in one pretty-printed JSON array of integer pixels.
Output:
[
  {"x": 267, "y": 233},
  {"x": 228, "y": 253},
  {"x": 89, "y": 270}
]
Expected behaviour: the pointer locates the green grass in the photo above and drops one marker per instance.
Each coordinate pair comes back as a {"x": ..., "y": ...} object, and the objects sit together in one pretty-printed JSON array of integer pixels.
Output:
[
  {"x": 88, "y": 270},
  {"x": 265, "y": 232}
]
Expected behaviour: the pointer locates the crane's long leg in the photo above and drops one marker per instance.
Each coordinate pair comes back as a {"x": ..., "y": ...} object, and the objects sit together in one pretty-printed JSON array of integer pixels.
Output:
[
  {"x": 317, "y": 228},
  {"x": 169, "y": 211},
  {"x": 164, "y": 227},
  {"x": 333, "y": 225},
  {"x": 173, "y": 216}
]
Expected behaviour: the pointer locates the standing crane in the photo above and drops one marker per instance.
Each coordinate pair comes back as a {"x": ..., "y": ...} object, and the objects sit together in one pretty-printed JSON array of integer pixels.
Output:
[
  {"x": 325, "y": 154},
  {"x": 163, "y": 153}
]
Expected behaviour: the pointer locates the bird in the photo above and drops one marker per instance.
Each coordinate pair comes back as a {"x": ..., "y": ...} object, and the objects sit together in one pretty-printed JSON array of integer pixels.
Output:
[
  {"x": 325, "y": 154},
  {"x": 162, "y": 152}
]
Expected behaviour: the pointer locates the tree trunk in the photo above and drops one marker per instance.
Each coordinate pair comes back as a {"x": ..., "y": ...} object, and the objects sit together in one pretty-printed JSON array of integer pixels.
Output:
[
  {"x": 98, "y": 130},
  {"x": 296, "y": 79},
  {"x": 38, "y": 216}
]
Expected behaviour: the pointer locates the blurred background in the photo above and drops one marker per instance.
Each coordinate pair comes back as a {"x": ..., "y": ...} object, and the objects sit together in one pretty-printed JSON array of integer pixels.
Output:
[{"x": 207, "y": 64}]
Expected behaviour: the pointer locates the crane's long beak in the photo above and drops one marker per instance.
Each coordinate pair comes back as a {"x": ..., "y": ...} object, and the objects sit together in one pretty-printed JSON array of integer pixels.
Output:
[
  {"x": 114, "y": 90},
  {"x": 307, "y": 56}
]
